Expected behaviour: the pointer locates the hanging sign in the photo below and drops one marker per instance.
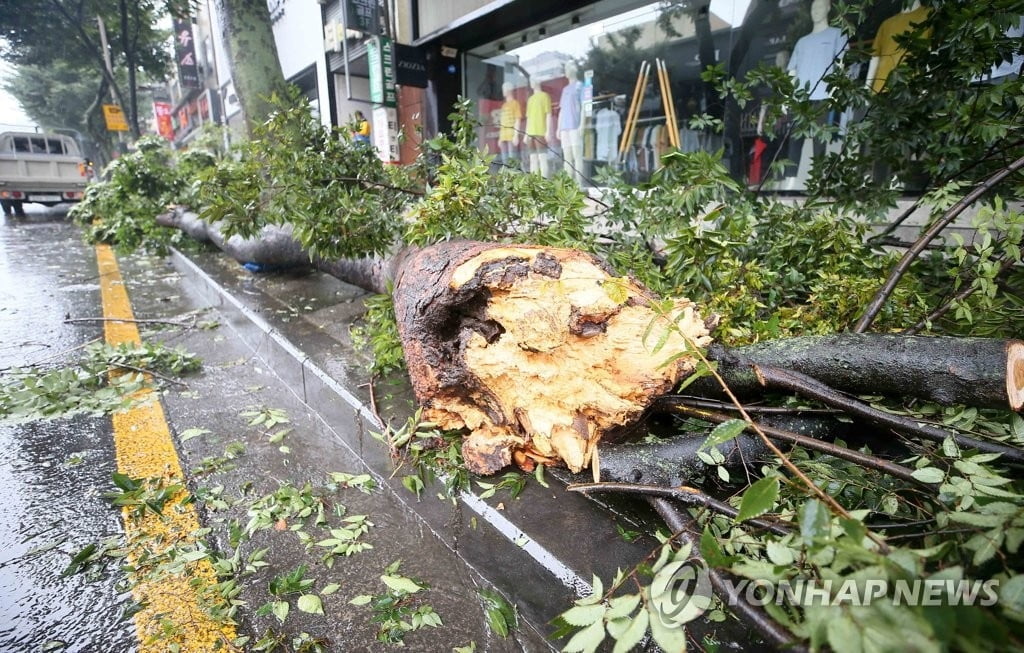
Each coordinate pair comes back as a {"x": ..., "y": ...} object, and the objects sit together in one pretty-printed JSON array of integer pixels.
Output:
[
  {"x": 385, "y": 134},
  {"x": 164, "y": 127},
  {"x": 185, "y": 52},
  {"x": 380, "y": 55},
  {"x": 363, "y": 15},
  {"x": 114, "y": 118}
]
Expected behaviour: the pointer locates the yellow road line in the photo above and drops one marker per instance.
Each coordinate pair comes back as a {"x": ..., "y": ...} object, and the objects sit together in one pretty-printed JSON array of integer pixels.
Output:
[{"x": 173, "y": 606}]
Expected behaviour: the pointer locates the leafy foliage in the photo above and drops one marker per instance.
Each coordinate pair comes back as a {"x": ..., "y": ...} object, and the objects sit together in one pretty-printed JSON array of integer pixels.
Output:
[
  {"x": 341, "y": 199},
  {"x": 378, "y": 333},
  {"x": 122, "y": 211},
  {"x": 104, "y": 380},
  {"x": 393, "y": 609}
]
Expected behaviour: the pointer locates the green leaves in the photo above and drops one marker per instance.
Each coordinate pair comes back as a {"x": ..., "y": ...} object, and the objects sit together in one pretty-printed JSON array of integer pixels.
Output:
[
  {"x": 310, "y": 603},
  {"x": 501, "y": 615},
  {"x": 723, "y": 433},
  {"x": 759, "y": 498},
  {"x": 394, "y": 610},
  {"x": 928, "y": 475}
]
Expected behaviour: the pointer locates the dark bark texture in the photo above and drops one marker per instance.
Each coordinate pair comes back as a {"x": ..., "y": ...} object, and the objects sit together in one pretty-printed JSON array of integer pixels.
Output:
[{"x": 981, "y": 372}]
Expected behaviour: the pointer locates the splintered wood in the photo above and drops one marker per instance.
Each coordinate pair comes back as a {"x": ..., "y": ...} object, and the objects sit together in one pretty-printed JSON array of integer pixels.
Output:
[{"x": 538, "y": 352}]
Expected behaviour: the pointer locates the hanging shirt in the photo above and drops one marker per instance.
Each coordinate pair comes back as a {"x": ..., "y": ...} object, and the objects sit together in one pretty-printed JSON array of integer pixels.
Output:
[
  {"x": 538, "y": 108},
  {"x": 756, "y": 161},
  {"x": 511, "y": 114},
  {"x": 885, "y": 47},
  {"x": 569, "y": 106},
  {"x": 814, "y": 56},
  {"x": 608, "y": 125}
]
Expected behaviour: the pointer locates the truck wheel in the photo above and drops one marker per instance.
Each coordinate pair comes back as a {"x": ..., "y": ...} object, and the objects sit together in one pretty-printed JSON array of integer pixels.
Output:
[
  {"x": 19, "y": 209},
  {"x": 8, "y": 206}
]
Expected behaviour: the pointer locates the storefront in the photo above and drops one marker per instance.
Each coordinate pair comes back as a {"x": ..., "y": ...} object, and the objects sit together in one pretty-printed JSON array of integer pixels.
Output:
[{"x": 563, "y": 90}]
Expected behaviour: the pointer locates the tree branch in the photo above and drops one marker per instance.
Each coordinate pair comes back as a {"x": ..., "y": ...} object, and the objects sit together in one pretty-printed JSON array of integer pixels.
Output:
[
  {"x": 897, "y": 273},
  {"x": 774, "y": 377}
]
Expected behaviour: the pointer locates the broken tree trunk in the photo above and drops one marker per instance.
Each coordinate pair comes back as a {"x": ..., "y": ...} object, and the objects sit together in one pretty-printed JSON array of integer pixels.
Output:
[
  {"x": 277, "y": 245},
  {"x": 540, "y": 352}
]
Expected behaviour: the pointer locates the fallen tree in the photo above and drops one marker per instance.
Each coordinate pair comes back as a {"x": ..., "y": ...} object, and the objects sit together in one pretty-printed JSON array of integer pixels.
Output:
[{"x": 542, "y": 353}]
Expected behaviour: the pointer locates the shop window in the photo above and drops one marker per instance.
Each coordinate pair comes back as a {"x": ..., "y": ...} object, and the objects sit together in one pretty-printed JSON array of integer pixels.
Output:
[{"x": 557, "y": 96}]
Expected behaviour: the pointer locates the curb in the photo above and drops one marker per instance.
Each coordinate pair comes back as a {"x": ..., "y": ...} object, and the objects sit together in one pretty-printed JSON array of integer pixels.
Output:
[{"x": 537, "y": 551}]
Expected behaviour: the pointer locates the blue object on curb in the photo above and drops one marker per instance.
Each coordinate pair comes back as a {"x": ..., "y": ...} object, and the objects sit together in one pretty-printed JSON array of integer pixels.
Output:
[{"x": 262, "y": 267}]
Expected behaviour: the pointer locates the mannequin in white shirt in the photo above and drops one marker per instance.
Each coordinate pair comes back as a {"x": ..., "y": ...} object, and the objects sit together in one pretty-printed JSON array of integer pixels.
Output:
[
  {"x": 814, "y": 56},
  {"x": 569, "y": 120}
]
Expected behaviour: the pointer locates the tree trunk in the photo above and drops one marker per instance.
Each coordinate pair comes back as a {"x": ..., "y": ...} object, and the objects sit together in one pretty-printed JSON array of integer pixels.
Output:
[
  {"x": 542, "y": 353},
  {"x": 980, "y": 372},
  {"x": 255, "y": 68}
]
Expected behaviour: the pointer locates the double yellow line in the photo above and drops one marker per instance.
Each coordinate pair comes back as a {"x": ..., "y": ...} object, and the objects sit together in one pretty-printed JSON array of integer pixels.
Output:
[{"x": 172, "y": 606}]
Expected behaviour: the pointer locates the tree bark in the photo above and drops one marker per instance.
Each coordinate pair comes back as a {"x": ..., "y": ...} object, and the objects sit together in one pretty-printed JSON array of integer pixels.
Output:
[
  {"x": 981, "y": 372},
  {"x": 255, "y": 67}
]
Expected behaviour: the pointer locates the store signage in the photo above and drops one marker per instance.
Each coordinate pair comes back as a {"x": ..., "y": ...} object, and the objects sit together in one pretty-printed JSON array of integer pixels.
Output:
[
  {"x": 162, "y": 111},
  {"x": 114, "y": 117},
  {"x": 380, "y": 55},
  {"x": 385, "y": 134},
  {"x": 410, "y": 66},
  {"x": 363, "y": 15},
  {"x": 332, "y": 38},
  {"x": 185, "y": 52}
]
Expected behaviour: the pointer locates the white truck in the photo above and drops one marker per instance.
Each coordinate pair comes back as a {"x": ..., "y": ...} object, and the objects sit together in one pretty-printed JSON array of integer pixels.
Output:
[{"x": 43, "y": 168}]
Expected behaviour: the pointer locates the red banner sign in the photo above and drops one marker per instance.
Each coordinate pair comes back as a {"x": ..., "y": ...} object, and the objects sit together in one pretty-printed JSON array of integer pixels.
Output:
[{"x": 162, "y": 111}]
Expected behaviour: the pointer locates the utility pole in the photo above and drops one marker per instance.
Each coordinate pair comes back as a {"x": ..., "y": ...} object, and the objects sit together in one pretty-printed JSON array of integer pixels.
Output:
[{"x": 110, "y": 71}]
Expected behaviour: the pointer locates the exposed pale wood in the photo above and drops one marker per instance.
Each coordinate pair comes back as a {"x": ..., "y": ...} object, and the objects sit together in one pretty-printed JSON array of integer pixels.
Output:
[{"x": 535, "y": 350}]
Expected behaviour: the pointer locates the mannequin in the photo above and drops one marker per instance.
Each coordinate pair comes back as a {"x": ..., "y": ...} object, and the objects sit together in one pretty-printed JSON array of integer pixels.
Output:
[
  {"x": 509, "y": 124},
  {"x": 815, "y": 56},
  {"x": 887, "y": 52},
  {"x": 569, "y": 118},
  {"x": 538, "y": 122}
]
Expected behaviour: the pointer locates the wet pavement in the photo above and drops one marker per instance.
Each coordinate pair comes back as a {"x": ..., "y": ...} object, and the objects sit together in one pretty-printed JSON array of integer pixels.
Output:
[
  {"x": 52, "y": 473},
  {"x": 268, "y": 342}
]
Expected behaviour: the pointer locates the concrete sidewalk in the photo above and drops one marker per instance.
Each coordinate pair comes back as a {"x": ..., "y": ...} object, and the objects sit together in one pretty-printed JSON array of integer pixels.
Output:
[{"x": 540, "y": 551}]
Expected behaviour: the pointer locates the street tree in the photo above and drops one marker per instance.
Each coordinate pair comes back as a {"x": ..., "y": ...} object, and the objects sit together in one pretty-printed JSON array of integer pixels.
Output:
[
  {"x": 67, "y": 30},
  {"x": 255, "y": 67}
]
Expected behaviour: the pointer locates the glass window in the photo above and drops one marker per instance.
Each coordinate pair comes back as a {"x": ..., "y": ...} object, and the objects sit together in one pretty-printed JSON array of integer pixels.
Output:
[
  {"x": 55, "y": 146},
  {"x": 565, "y": 95}
]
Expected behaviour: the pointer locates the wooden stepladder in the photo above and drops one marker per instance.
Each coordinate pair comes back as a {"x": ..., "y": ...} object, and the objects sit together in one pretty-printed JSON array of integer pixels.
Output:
[{"x": 634, "y": 106}]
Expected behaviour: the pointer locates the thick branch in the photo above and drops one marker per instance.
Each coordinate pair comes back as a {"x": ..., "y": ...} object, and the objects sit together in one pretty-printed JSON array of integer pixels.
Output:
[
  {"x": 773, "y": 377},
  {"x": 980, "y": 372},
  {"x": 863, "y": 459},
  {"x": 687, "y": 496},
  {"x": 875, "y": 306}
]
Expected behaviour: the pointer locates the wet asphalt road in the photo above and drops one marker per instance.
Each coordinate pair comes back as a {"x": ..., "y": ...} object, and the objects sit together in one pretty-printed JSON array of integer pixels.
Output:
[{"x": 52, "y": 473}]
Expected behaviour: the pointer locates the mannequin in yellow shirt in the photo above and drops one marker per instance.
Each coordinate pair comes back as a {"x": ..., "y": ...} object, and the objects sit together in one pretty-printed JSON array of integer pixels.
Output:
[
  {"x": 510, "y": 124},
  {"x": 538, "y": 123},
  {"x": 887, "y": 52}
]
